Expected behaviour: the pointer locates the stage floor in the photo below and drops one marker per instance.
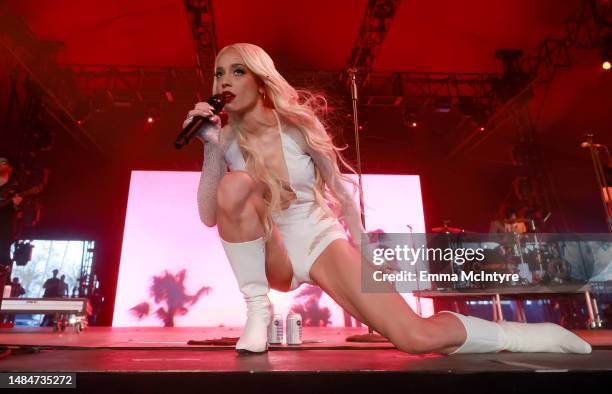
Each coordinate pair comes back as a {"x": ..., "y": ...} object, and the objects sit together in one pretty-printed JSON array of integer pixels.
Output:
[{"x": 160, "y": 356}]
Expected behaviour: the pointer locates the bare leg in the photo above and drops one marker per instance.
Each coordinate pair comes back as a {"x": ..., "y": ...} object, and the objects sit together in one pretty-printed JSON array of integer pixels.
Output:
[
  {"x": 239, "y": 219},
  {"x": 338, "y": 272}
]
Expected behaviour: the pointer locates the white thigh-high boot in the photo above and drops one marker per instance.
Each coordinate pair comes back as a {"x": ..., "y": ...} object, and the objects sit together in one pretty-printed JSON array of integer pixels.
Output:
[
  {"x": 248, "y": 261},
  {"x": 484, "y": 336}
]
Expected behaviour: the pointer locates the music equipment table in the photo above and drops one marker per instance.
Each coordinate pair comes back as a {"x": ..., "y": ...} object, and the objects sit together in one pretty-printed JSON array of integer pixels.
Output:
[
  {"x": 67, "y": 311},
  {"x": 518, "y": 294}
]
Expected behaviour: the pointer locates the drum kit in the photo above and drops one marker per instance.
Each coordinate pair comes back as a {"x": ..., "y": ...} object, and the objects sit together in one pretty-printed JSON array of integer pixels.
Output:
[{"x": 519, "y": 250}]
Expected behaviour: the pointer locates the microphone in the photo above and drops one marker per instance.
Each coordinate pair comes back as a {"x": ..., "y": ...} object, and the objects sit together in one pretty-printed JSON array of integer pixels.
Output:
[
  {"x": 587, "y": 144},
  {"x": 217, "y": 102}
]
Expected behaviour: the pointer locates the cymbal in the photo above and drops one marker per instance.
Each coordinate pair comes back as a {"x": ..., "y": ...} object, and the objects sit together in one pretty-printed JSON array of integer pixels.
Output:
[{"x": 445, "y": 229}]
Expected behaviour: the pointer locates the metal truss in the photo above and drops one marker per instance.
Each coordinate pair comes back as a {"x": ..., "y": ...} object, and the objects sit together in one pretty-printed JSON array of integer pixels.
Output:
[
  {"x": 67, "y": 87},
  {"x": 32, "y": 61},
  {"x": 554, "y": 52},
  {"x": 583, "y": 31},
  {"x": 203, "y": 31},
  {"x": 427, "y": 89},
  {"x": 531, "y": 185},
  {"x": 374, "y": 26},
  {"x": 86, "y": 285},
  {"x": 527, "y": 159},
  {"x": 126, "y": 86},
  {"x": 130, "y": 85}
]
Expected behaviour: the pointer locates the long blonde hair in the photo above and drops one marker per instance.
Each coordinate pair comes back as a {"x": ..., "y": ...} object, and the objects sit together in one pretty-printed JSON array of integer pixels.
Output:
[{"x": 299, "y": 108}]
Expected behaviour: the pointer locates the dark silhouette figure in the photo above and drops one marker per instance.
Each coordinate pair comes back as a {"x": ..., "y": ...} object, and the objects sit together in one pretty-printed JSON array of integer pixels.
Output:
[
  {"x": 169, "y": 289},
  {"x": 52, "y": 286},
  {"x": 308, "y": 306},
  {"x": 63, "y": 287},
  {"x": 52, "y": 290},
  {"x": 16, "y": 291}
]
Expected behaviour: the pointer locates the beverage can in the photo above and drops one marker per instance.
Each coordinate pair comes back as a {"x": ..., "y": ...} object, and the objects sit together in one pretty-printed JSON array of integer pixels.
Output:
[
  {"x": 275, "y": 329},
  {"x": 294, "y": 329}
]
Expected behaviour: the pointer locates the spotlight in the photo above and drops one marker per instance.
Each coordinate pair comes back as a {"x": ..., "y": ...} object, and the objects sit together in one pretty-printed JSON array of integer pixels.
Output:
[
  {"x": 82, "y": 111},
  {"x": 152, "y": 115},
  {"x": 410, "y": 117},
  {"x": 606, "y": 51},
  {"x": 475, "y": 111}
]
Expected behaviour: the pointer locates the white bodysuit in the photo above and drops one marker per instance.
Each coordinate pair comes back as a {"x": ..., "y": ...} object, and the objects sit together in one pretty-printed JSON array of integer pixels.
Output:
[{"x": 305, "y": 227}]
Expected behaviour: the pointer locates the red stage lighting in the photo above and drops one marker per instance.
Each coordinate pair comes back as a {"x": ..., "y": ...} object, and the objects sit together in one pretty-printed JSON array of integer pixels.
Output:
[
  {"x": 150, "y": 120},
  {"x": 606, "y": 65},
  {"x": 414, "y": 125},
  {"x": 482, "y": 128}
]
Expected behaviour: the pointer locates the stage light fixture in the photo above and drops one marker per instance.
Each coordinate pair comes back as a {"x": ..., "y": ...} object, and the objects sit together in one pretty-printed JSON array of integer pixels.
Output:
[
  {"x": 410, "y": 117},
  {"x": 385, "y": 9},
  {"x": 152, "y": 115},
  {"x": 476, "y": 111},
  {"x": 169, "y": 85},
  {"x": 22, "y": 253},
  {"x": 606, "y": 51},
  {"x": 514, "y": 78},
  {"x": 442, "y": 104},
  {"x": 82, "y": 111},
  {"x": 511, "y": 60}
]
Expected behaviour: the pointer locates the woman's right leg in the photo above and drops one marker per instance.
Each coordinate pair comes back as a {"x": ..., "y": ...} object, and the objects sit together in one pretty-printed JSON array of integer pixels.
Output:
[{"x": 239, "y": 212}]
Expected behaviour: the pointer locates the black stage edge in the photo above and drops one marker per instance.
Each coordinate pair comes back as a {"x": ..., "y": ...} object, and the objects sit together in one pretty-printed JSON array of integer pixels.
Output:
[
  {"x": 318, "y": 371},
  {"x": 113, "y": 360},
  {"x": 340, "y": 382}
]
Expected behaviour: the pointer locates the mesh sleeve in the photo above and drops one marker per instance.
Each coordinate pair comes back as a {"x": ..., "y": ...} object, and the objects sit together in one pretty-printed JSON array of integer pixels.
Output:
[{"x": 213, "y": 169}]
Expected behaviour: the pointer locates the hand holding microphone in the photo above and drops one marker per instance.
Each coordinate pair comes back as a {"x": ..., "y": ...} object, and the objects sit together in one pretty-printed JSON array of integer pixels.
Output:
[
  {"x": 205, "y": 134},
  {"x": 202, "y": 122}
]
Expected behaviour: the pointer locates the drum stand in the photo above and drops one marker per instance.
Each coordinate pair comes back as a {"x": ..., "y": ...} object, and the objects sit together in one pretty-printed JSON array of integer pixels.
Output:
[
  {"x": 600, "y": 175},
  {"x": 419, "y": 309}
]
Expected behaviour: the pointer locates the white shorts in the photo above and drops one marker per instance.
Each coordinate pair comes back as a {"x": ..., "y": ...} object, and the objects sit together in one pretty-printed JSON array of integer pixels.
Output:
[{"x": 306, "y": 231}]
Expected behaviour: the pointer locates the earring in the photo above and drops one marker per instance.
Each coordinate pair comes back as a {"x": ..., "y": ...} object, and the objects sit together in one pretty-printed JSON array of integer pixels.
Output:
[{"x": 264, "y": 95}]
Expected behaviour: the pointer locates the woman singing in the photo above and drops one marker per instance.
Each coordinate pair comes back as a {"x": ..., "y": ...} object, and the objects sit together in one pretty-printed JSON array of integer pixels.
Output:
[{"x": 279, "y": 209}]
